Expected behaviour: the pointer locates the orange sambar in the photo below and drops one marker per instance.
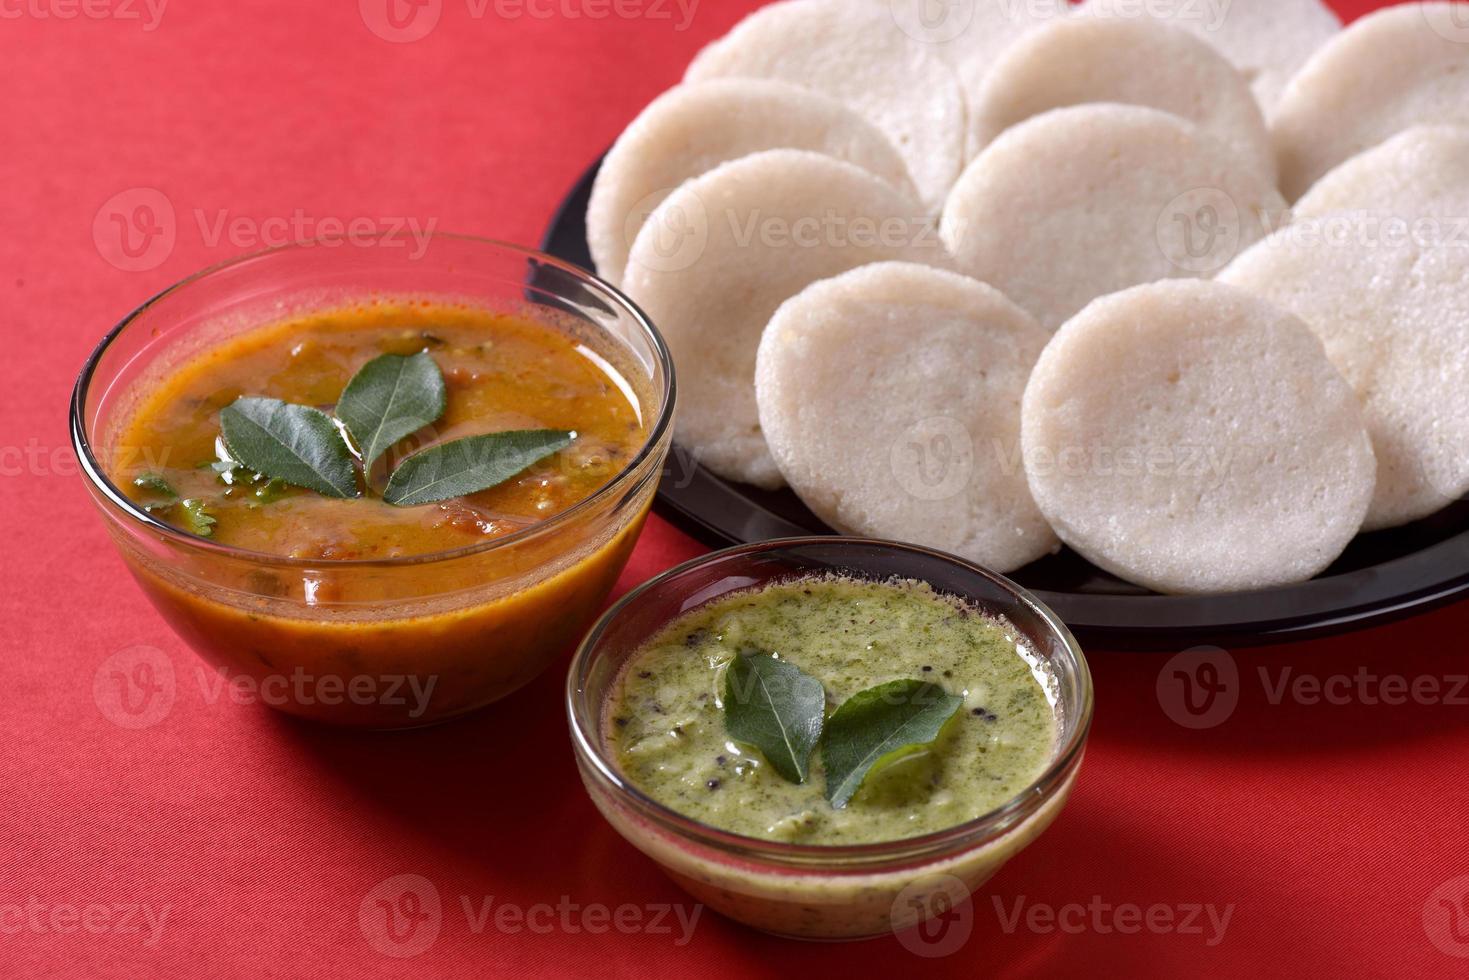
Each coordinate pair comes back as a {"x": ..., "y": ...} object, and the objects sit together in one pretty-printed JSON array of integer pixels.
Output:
[{"x": 360, "y": 612}]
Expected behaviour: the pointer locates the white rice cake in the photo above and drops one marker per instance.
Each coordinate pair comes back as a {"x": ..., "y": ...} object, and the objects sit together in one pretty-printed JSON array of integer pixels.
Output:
[
  {"x": 970, "y": 34},
  {"x": 1194, "y": 439},
  {"x": 1266, "y": 40},
  {"x": 857, "y": 54},
  {"x": 890, "y": 397},
  {"x": 1138, "y": 62},
  {"x": 691, "y": 129},
  {"x": 716, "y": 258},
  {"x": 1080, "y": 202},
  {"x": 1391, "y": 305},
  {"x": 1421, "y": 173},
  {"x": 1393, "y": 69}
]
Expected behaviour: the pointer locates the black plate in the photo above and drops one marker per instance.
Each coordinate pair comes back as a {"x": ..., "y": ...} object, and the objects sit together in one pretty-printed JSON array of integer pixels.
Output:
[{"x": 1381, "y": 576}]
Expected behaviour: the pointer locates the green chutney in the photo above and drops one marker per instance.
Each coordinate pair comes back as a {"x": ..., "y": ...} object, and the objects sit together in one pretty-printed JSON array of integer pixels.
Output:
[{"x": 666, "y": 724}]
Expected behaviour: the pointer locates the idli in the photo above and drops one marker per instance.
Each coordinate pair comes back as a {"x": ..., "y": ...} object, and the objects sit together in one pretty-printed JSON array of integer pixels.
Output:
[
  {"x": 1391, "y": 70},
  {"x": 1080, "y": 202},
  {"x": 716, "y": 258},
  {"x": 1420, "y": 173},
  {"x": 1193, "y": 438},
  {"x": 857, "y": 54},
  {"x": 1392, "y": 308},
  {"x": 691, "y": 129},
  {"x": 890, "y": 398},
  {"x": 1138, "y": 62},
  {"x": 1266, "y": 40},
  {"x": 969, "y": 35}
]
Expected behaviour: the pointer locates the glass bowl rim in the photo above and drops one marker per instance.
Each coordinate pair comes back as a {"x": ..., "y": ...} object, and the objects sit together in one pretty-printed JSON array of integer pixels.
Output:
[
  {"x": 92, "y": 470},
  {"x": 960, "y": 837}
]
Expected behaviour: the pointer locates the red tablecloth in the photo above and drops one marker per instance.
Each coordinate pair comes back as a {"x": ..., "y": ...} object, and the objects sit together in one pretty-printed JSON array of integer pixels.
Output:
[{"x": 1324, "y": 838}]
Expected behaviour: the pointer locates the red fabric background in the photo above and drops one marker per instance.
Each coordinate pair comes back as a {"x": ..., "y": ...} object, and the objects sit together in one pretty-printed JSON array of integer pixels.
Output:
[{"x": 1328, "y": 828}]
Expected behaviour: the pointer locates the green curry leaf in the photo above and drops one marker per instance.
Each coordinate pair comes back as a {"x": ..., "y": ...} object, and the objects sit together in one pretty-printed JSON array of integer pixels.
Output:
[
  {"x": 776, "y": 707},
  {"x": 266, "y": 491},
  {"x": 159, "y": 492},
  {"x": 389, "y": 398},
  {"x": 294, "y": 443},
  {"x": 197, "y": 519},
  {"x": 469, "y": 465},
  {"x": 155, "y": 483},
  {"x": 878, "y": 726}
]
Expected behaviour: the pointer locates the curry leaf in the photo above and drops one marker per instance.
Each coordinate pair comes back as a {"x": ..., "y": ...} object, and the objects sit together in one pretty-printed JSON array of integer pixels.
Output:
[
  {"x": 267, "y": 491},
  {"x": 197, "y": 518},
  {"x": 155, "y": 483},
  {"x": 294, "y": 443},
  {"x": 161, "y": 493},
  {"x": 465, "y": 466},
  {"x": 389, "y": 398},
  {"x": 776, "y": 707},
  {"x": 878, "y": 726}
]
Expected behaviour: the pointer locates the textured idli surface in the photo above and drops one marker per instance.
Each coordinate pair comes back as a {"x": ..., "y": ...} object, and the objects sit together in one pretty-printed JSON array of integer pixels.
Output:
[
  {"x": 691, "y": 129},
  {"x": 890, "y": 397},
  {"x": 970, "y": 34},
  {"x": 1080, "y": 202},
  {"x": 1266, "y": 40},
  {"x": 1193, "y": 438},
  {"x": 1393, "y": 69},
  {"x": 716, "y": 258},
  {"x": 1394, "y": 318},
  {"x": 857, "y": 54},
  {"x": 1138, "y": 62},
  {"x": 1422, "y": 172}
]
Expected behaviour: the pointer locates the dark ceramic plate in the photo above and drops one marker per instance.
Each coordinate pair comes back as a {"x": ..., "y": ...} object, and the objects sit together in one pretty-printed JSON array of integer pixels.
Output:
[{"x": 1381, "y": 576}]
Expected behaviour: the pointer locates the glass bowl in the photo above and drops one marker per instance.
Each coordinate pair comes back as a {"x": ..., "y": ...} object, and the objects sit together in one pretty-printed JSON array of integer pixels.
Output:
[
  {"x": 818, "y": 891},
  {"x": 387, "y": 643}
]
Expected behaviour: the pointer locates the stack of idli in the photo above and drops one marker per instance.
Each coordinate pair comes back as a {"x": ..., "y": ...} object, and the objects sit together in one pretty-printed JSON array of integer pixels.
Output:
[
  {"x": 1400, "y": 67},
  {"x": 1266, "y": 40},
  {"x": 857, "y": 54},
  {"x": 1025, "y": 275}
]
